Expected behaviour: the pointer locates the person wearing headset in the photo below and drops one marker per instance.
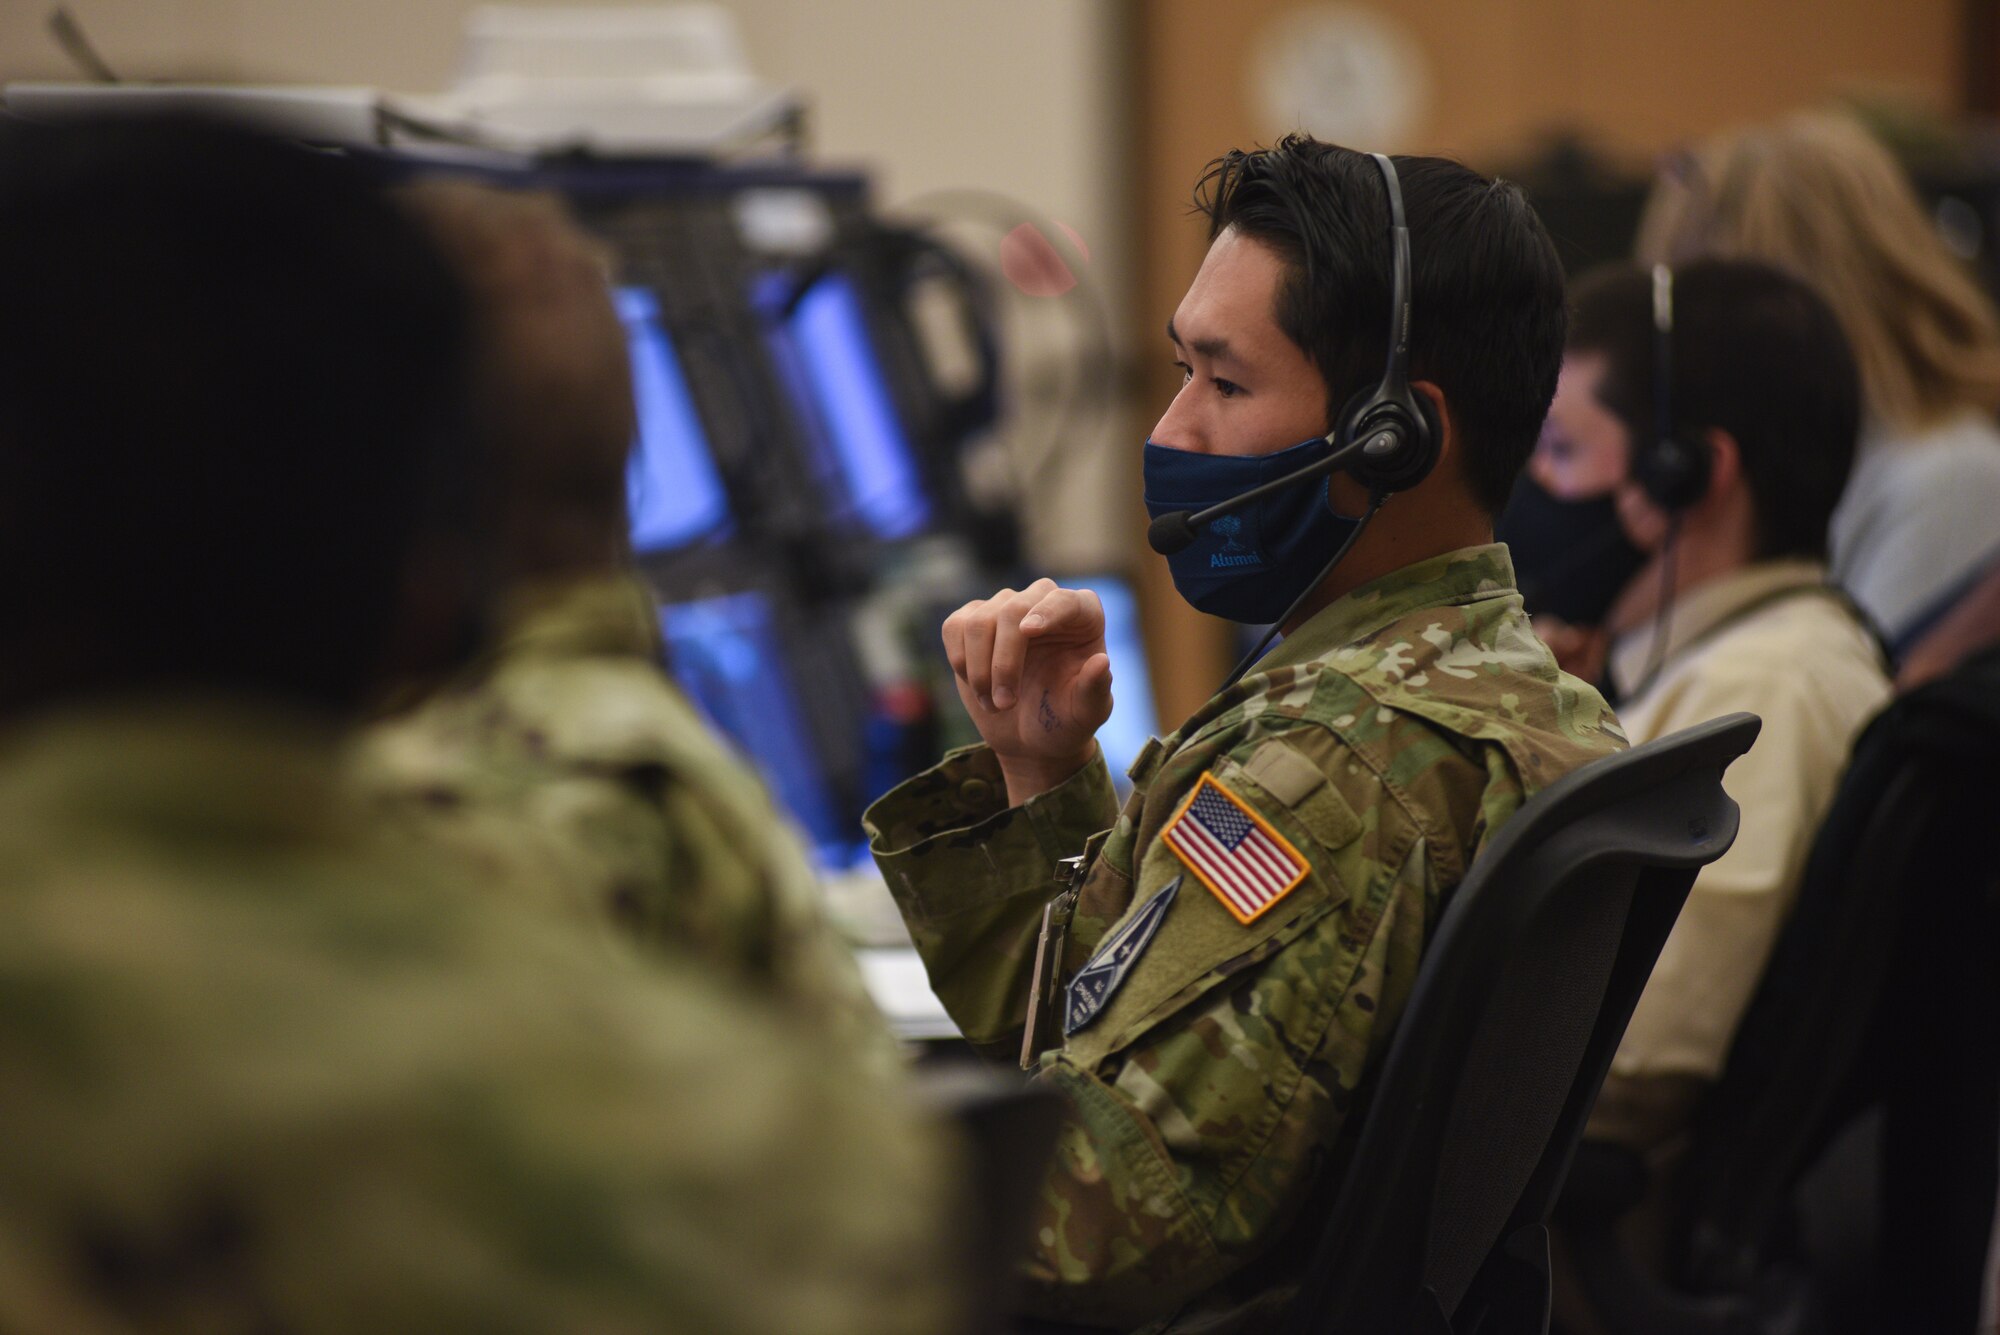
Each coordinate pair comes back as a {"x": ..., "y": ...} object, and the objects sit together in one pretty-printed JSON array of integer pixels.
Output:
[
  {"x": 1717, "y": 405},
  {"x": 1210, "y": 975}
]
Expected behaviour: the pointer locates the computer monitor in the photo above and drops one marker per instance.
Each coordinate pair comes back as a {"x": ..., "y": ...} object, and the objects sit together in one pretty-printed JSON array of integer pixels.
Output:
[
  {"x": 831, "y": 369},
  {"x": 726, "y": 653},
  {"x": 673, "y": 491},
  {"x": 1134, "y": 720}
]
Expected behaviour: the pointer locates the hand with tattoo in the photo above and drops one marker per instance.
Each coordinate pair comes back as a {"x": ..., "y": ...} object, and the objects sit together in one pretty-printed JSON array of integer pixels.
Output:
[{"x": 1031, "y": 669}]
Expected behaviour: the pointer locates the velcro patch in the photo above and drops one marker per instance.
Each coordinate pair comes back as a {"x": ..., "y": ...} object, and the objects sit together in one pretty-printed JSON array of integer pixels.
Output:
[
  {"x": 1099, "y": 978},
  {"x": 1233, "y": 851}
]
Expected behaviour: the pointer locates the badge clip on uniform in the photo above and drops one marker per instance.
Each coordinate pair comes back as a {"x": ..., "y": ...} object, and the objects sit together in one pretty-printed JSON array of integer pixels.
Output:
[{"x": 1049, "y": 946}]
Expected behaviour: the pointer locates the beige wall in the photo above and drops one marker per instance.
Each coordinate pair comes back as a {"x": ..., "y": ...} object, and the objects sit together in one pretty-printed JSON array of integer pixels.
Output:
[{"x": 931, "y": 94}]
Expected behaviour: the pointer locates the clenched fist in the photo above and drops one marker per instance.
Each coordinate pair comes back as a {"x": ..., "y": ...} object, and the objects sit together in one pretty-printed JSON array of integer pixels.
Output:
[{"x": 1033, "y": 674}]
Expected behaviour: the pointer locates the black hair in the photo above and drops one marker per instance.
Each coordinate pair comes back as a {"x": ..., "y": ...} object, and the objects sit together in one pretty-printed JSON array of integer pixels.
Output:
[
  {"x": 232, "y": 402},
  {"x": 1486, "y": 322},
  {"x": 1755, "y": 352}
]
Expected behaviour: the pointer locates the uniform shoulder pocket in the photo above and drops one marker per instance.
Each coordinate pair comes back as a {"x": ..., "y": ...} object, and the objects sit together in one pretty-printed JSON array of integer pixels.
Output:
[{"x": 1284, "y": 769}]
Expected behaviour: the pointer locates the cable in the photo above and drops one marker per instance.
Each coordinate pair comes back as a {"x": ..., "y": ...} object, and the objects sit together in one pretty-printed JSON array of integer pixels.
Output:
[
  {"x": 1663, "y": 614},
  {"x": 1077, "y": 404},
  {"x": 1375, "y": 504},
  {"x": 76, "y": 44}
]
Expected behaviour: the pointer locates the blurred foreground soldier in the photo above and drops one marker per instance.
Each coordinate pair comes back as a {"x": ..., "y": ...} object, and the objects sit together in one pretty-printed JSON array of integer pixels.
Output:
[
  {"x": 264, "y": 1070},
  {"x": 1241, "y": 940},
  {"x": 569, "y": 733},
  {"x": 1723, "y": 473}
]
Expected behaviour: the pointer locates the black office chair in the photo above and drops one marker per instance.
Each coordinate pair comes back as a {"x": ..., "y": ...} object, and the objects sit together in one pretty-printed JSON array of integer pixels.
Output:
[
  {"x": 1440, "y": 1224},
  {"x": 1007, "y": 1129},
  {"x": 1880, "y": 990}
]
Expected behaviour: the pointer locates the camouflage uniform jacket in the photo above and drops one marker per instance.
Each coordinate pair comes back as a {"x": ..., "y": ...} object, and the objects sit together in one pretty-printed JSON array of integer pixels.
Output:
[
  {"x": 1384, "y": 742},
  {"x": 571, "y": 759},
  {"x": 262, "y": 1068}
]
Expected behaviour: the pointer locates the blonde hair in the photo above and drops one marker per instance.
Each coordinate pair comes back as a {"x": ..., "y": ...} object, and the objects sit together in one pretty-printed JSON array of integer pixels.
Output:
[{"x": 1817, "y": 194}]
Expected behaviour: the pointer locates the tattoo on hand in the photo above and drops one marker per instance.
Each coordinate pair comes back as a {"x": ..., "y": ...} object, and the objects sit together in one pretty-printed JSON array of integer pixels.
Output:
[{"x": 1050, "y": 720}]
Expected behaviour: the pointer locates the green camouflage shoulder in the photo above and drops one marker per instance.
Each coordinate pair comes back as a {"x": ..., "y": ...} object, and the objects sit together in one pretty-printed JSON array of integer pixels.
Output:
[
  {"x": 576, "y": 748},
  {"x": 269, "y": 1070}
]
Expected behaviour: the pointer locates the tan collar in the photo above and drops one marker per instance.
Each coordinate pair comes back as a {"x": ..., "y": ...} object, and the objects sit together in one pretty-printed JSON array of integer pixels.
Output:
[{"x": 1698, "y": 613}]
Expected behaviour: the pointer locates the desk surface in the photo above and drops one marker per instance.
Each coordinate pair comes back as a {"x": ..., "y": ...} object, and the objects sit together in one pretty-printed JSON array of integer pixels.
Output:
[
  {"x": 895, "y": 978},
  {"x": 861, "y": 906}
]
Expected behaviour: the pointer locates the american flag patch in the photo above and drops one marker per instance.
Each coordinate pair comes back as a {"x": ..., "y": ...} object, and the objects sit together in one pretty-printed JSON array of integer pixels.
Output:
[{"x": 1247, "y": 864}]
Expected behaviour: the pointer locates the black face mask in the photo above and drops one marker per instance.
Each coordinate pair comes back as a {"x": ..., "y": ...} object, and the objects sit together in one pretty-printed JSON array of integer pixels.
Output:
[{"x": 1571, "y": 558}]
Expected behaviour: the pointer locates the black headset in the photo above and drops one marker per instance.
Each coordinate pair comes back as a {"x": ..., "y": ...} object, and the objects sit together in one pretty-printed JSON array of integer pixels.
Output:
[
  {"x": 1386, "y": 437},
  {"x": 1399, "y": 427},
  {"x": 1671, "y": 469}
]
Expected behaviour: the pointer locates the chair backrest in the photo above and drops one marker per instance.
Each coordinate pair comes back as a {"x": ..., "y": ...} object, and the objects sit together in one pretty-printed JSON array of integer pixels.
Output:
[
  {"x": 1522, "y": 998},
  {"x": 1893, "y": 884},
  {"x": 1779, "y": 1100}
]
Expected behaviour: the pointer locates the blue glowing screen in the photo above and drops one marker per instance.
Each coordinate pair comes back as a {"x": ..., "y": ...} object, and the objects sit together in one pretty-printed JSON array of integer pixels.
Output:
[
  {"x": 673, "y": 492},
  {"x": 829, "y": 364},
  {"x": 725, "y": 653},
  {"x": 1133, "y": 720}
]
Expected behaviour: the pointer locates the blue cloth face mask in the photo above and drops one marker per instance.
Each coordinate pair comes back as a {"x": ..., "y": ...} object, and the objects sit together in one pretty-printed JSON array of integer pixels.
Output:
[{"x": 1248, "y": 565}]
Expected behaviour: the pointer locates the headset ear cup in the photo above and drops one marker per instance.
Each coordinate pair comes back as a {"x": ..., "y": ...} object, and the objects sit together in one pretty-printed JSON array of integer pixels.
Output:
[
  {"x": 1432, "y": 432},
  {"x": 1357, "y": 404},
  {"x": 1674, "y": 473},
  {"x": 1415, "y": 424}
]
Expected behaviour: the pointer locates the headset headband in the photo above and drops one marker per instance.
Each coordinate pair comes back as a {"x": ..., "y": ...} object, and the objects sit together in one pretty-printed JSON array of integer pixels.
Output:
[
  {"x": 1398, "y": 369},
  {"x": 1663, "y": 353},
  {"x": 1393, "y": 427}
]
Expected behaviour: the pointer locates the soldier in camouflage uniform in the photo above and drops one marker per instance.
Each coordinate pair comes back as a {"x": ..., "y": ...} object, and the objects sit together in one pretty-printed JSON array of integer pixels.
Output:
[
  {"x": 269, "y": 1070},
  {"x": 262, "y": 1067},
  {"x": 566, "y": 759},
  {"x": 1243, "y": 936}
]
